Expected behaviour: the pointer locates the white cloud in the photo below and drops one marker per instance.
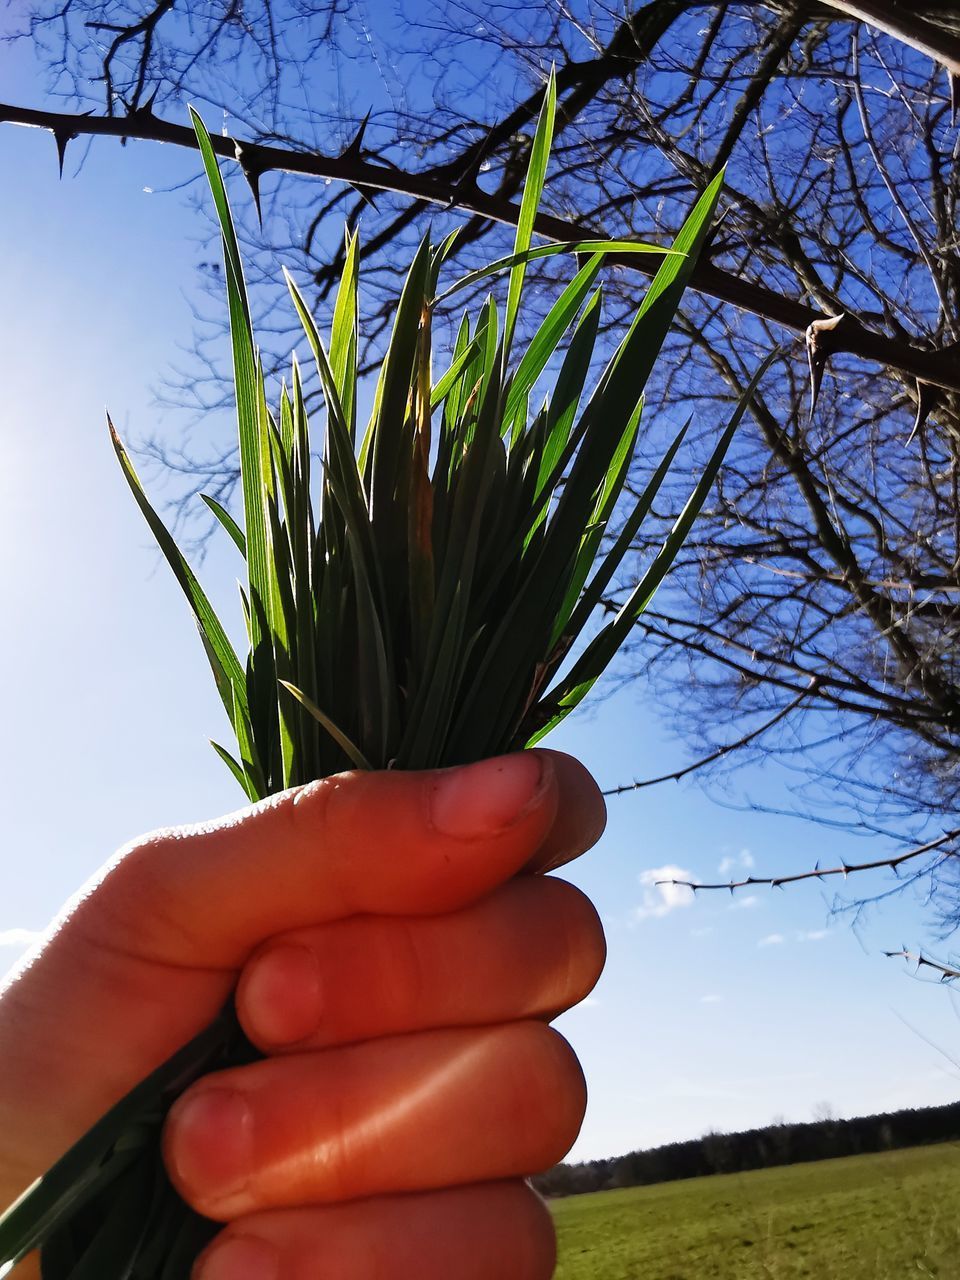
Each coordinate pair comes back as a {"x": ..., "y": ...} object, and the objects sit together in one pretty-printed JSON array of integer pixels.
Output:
[
  {"x": 660, "y": 899},
  {"x": 742, "y": 861},
  {"x": 811, "y": 935},
  {"x": 702, "y": 933},
  {"x": 745, "y": 903},
  {"x": 771, "y": 940},
  {"x": 711, "y": 999},
  {"x": 19, "y": 937}
]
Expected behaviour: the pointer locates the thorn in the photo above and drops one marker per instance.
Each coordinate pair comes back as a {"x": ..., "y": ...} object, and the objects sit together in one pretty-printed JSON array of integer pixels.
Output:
[
  {"x": 61, "y": 136},
  {"x": 354, "y": 150},
  {"x": 817, "y": 362},
  {"x": 140, "y": 117},
  {"x": 253, "y": 170},
  {"x": 466, "y": 183},
  {"x": 144, "y": 112},
  {"x": 367, "y": 194},
  {"x": 818, "y": 353},
  {"x": 928, "y": 399}
]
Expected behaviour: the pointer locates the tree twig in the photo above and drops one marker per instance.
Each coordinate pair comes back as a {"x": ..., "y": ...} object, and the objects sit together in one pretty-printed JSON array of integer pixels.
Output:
[
  {"x": 848, "y": 335},
  {"x": 720, "y": 752},
  {"x": 897, "y": 20},
  {"x": 820, "y": 873},
  {"x": 946, "y": 971}
]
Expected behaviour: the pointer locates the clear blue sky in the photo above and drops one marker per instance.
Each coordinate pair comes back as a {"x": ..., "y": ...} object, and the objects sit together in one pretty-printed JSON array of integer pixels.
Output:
[{"x": 718, "y": 1014}]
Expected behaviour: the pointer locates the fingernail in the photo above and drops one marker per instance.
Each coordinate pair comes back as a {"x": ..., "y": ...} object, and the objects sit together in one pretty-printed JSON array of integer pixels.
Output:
[
  {"x": 484, "y": 799},
  {"x": 210, "y": 1139},
  {"x": 281, "y": 994},
  {"x": 238, "y": 1258}
]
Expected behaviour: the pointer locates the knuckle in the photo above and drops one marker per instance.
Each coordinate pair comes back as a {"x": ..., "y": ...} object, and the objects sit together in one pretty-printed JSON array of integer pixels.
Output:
[
  {"x": 553, "y": 1092},
  {"x": 132, "y": 906},
  {"x": 562, "y": 1069},
  {"x": 586, "y": 943},
  {"x": 581, "y": 944},
  {"x": 538, "y": 1236},
  {"x": 401, "y": 973}
]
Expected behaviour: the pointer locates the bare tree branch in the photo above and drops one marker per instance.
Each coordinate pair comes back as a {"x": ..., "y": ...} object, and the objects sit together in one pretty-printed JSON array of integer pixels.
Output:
[
  {"x": 820, "y": 873},
  {"x": 901, "y": 21},
  {"x": 848, "y": 335},
  {"x": 946, "y": 971},
  {"x": 727, "y": 749}
]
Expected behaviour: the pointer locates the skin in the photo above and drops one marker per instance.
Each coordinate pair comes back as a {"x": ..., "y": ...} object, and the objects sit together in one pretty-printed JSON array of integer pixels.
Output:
[{"x": 398, "y": 965}]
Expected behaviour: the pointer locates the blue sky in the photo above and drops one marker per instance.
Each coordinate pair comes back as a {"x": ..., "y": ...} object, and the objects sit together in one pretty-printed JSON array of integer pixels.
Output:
[{"x": 716, "y": 1014}]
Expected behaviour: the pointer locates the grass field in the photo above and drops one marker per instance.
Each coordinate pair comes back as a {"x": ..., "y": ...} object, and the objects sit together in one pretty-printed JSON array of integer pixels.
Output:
[{"x": 882, "y": 1217}]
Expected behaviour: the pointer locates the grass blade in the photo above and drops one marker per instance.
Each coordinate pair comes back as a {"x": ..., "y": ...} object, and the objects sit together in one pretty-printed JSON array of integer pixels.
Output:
[
  {"x": 228, "y": 522},
  {"x": 598, "y": 654},
  {"x": 532, "y": 191},
  {"x": 350, "y": 748},
  {"x": 224, "y": 662},
  {"x": 579, "y": 247}
]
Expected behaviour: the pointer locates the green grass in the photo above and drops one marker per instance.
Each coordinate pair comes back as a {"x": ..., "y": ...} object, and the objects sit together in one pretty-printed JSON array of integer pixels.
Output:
[{"x": 876, "y": 1217}]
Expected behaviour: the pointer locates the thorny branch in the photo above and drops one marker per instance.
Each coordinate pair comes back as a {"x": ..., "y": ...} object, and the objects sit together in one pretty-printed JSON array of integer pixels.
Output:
[
  {"x": 725, "y": 750},
  {"x": 847, "y": 334},
  {"x": 820, "y": 873},
  {"x": 946, "y": 971}
]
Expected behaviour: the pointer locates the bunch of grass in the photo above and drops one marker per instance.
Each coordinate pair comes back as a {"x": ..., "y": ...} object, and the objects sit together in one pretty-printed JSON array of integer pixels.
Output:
[{"x": 417, "y": 603}]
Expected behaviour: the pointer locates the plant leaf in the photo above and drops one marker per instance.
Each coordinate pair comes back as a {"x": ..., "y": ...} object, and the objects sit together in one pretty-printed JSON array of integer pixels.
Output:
[
  {"x": 532, "y": 191},
  {"x": 224, "y": 662},
  {"x": 596, "y": 657},
  {"x": 228, "y": 522},
  {"x": 350, "y": 748}
]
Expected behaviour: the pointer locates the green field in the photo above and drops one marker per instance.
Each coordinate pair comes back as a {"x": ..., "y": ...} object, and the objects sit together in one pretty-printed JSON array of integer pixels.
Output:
[{"x": 879, "y": 1217}]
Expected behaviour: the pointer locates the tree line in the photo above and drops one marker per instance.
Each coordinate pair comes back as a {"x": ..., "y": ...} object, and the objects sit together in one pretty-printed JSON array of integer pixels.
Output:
[{"x": 779, "y": 1143}]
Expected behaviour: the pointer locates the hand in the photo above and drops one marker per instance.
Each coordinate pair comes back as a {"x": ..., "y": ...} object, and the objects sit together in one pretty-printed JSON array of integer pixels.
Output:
[{"x": 398, "y": 973}]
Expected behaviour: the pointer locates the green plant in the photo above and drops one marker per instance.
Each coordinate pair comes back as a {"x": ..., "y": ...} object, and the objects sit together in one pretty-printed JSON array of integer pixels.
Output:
[{"x": 417, "y": 603}]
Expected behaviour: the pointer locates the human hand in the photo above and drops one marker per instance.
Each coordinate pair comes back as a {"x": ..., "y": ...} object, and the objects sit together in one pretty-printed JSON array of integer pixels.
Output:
[{"x": 398, "y": 974}]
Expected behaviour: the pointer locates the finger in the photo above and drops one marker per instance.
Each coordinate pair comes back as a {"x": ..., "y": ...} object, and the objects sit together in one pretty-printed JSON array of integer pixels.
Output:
[
  {"x": 490, "y": 1232},
  {"x": 531, "y": 949},
  {"x": 581, "y": 815},
  {"x": 387, "y": 842},
  {"x": 409, "y": 1113},
  {"x": 146, "y": 956}
]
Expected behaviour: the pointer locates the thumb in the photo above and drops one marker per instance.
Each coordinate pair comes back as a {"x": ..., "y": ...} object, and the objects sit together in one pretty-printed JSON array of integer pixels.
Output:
[{"x": 406, "y": 843}]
